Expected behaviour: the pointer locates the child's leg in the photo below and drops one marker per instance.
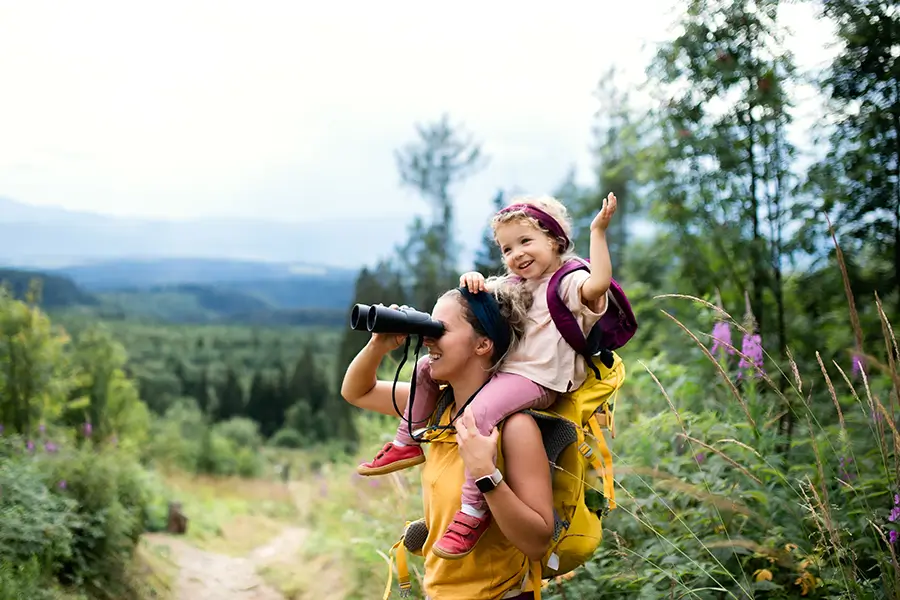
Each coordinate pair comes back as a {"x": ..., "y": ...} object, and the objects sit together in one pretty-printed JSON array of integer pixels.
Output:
[
  {"x": 404, "y": 451},
  {"x": 504, "y": 395}
]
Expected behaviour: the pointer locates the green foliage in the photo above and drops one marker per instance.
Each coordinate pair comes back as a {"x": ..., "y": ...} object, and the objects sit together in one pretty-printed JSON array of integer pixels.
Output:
[
  {"x": 34, "y": 522},
  {"x": 34, "y": 374},
  {"x": 185, "y": 439},
  {"x": 70, "y": 515},
  {"x": 858, "y": 178},
  {"x": 24, "y": 579},
  {"x": 288, "y": 438}
]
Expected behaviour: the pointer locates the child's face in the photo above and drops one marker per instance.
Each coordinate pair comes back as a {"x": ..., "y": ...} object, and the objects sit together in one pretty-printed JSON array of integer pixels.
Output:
[{"x": 527, "y": 251}]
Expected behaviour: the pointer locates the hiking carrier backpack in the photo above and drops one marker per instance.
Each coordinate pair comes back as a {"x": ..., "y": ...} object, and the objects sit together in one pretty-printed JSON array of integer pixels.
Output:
[{"x": 572, "y": 434}]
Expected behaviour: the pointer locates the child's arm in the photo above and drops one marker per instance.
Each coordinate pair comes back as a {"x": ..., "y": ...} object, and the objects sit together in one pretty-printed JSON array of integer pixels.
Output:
[{"x": 593, "y": 292}]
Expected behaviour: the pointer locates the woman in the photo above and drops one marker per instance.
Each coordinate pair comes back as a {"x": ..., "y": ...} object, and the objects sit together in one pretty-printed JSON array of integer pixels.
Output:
[{"x": 480, "y": 329}]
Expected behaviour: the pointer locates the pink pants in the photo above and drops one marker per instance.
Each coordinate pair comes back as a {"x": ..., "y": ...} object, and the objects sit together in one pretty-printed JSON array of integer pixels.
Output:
[{"x": 503, "y": 395}]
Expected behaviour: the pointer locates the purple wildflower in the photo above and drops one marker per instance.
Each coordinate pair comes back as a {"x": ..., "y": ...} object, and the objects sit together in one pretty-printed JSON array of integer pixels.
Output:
[
  {"x": 700, "y": 458},
  {"x": 30, "y": 446},
  {"x": 892, "y": 536},
  {"x": 859, "y": 365},
  {"x": 42, "y": 428},
  {"x": 88, "y": 429},
  {"x": 62, "y": 484},
  {"x": 895, "y": 511},
  {"x": 50, "y": 447},
  {"x": 721, "y": 335},
  {"x": 751, "y": 348},
  {"x": 843, "y": 469}
]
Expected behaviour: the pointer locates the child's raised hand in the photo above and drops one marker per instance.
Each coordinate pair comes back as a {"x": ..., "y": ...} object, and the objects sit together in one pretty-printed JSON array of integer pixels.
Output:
[
  {"x": 473, "y": 281},
  {"x": 601, "y": 221}
]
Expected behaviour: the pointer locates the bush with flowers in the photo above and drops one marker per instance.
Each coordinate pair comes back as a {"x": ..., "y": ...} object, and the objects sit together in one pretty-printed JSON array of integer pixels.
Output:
[
  {"x": 743, "y": 476},
  {"x": 74, "y": 496}
]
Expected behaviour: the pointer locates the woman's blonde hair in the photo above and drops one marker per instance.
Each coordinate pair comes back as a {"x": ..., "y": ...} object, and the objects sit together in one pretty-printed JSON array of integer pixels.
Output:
[
  {"x": 514, "y": 301},
  {"x": 549, "y": 205}
]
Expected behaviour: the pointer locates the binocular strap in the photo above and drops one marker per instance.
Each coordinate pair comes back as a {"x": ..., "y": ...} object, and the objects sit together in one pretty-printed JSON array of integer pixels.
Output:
[{"x": 412, "y": 393}]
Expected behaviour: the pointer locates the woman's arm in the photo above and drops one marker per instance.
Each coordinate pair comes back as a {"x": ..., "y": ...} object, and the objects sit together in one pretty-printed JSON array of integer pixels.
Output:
[
  {"x": 361, "y": 386},
  {"x": 522, "y": 504}
]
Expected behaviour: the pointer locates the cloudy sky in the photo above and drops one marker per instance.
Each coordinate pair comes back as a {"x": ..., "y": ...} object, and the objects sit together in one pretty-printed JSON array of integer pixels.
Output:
[{"x": 291, "y": 110}]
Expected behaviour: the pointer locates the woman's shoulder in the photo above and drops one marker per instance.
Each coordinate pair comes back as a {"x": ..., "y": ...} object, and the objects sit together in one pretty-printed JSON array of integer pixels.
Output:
[{"x": 519, "y": 429}]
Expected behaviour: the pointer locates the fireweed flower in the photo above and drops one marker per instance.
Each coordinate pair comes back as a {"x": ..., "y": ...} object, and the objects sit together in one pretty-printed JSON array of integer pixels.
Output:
[
  {"x": 721, "y": 335},
  {"x": 895, "y": 511},
  {"x": 752, "y": 351},
  {"x": 88, "y": 429},
  {"x": 859, "y": 365},
  {"x": 843, "y": 469}
]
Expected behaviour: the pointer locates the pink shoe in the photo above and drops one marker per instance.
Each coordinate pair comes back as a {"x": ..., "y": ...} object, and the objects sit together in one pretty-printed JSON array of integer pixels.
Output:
[
  {"x": 461, "y": 536},
  {"x": 392, "y": 458}
]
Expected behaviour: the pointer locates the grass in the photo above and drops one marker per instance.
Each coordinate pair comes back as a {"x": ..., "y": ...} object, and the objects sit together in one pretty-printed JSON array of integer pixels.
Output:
[
  {"x": 232, "y": 515},
  {"x": 353, "y": 523}
]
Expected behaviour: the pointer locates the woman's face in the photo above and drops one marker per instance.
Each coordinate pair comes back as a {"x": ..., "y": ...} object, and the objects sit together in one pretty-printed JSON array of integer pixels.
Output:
[{"x": 451, "y": 354}]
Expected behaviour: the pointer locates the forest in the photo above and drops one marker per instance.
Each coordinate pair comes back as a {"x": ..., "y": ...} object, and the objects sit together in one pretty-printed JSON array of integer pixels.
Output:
[{"x": 757, "y": 445}]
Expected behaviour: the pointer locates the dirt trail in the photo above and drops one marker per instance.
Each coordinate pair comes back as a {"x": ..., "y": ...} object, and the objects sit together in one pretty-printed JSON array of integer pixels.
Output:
[{"x": 207, "y": 575}]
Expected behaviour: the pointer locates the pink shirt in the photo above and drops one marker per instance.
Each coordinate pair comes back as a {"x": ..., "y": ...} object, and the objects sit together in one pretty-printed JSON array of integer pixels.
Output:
[{"x": 543, "y": 356}]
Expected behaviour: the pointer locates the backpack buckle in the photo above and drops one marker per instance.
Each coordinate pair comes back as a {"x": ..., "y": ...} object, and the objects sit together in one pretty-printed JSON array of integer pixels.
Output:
[{"x": 586, "y": 450}]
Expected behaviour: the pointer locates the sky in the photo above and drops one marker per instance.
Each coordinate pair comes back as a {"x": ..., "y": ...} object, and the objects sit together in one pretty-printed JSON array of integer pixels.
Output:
[{"x": 291, "y": 111}]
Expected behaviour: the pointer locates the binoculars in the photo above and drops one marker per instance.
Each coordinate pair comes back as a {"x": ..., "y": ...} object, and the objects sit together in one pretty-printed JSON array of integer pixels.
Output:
[{"x": 382, "y": 319}]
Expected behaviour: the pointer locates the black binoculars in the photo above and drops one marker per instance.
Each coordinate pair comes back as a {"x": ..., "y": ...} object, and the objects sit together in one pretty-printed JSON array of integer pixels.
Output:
[{"x": 382, "y": 319}]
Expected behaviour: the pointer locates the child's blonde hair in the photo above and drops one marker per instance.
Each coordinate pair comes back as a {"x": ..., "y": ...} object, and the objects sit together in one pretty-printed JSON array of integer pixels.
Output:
[{"x": 549, "y": 205}]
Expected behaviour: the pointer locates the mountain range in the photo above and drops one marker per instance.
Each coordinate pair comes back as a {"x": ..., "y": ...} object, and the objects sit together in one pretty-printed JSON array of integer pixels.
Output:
[{"x": 46, "y": 237}]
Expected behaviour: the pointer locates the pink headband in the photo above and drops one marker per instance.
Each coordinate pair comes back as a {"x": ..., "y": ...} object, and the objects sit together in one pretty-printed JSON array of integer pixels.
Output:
[{"x": 544, "y": 219}]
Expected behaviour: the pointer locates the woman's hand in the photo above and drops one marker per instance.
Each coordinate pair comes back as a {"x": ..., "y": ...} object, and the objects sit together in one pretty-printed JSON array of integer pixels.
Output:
[
  {"x": 387, "y": 342},
  {"x": 479, "y": 452}
]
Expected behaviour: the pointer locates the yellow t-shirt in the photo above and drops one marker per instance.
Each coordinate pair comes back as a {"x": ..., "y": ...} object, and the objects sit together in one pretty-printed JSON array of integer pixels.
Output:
[{"x": 495, "y": 567}]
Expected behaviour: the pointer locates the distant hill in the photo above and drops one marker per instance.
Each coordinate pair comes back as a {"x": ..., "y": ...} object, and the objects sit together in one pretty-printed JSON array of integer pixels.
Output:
[
  {"x": 56, "y": 291},
  {"x": 43, "y": 237},
  {"x": 202, "y": 304},
  {"x": 193, "y": 291},
  {"x": 286, "y": 286}
]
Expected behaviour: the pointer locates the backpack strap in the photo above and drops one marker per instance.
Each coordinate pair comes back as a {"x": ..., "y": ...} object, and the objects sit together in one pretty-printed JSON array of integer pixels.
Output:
[
  {"x": 562, "y": 317},
  {"x": 566, "y": 322}
]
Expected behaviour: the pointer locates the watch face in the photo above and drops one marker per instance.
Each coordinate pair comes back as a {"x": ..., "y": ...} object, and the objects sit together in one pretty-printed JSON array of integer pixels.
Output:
[{"x": 485, "y": 484}]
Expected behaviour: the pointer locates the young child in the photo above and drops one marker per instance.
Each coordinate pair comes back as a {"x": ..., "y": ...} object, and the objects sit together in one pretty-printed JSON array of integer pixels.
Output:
[{"x": 534, "y": 237}]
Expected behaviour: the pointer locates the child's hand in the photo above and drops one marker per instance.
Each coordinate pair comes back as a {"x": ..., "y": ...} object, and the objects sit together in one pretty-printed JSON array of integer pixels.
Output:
[
  {"x": 601, "y": 221},
  {"x": 474, "y": 281}
]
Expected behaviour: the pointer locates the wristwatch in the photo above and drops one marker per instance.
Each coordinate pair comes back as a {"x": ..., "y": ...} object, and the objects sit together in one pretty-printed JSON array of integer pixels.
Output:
[{"x": 489, "y": 482}]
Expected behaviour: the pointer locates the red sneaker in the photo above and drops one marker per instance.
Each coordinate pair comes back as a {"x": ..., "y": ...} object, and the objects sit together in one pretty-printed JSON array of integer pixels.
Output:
[
  {"x": 461, "y": 536},
  {"x": 392, "y": 458}
]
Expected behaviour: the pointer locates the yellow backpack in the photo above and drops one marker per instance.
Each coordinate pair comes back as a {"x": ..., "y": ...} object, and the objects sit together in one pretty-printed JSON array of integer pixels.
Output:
[{"x": 572, "y": 433}]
